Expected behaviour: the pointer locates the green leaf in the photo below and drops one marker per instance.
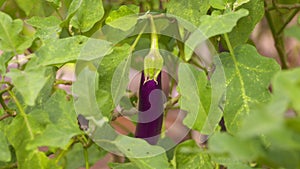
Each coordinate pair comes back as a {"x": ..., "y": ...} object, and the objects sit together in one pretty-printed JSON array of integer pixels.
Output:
[
  {"x": 63, "y": 123},
  {"x": 75, "y": 156},
  {"x": 241, "y": 33},
  {"x": 10, "y": 38},
  {"x": 87, "y": 14},
  {"x": 29, "y": 82},
  {"x": 69, "y": 49},
  {"x": 218, "y": 4},
  {"x": 142, "y": 154},
  {"x": 122, "y": 166},
  {"x": 56, "y": 3},
  {"x": 293, "y": 32},
  {"x": 138, "y": 151},
  {"x": 25, "y": 127},
  {"x": 190, "y": 10},
  {"x": 188, "y": 153},
  {"x": 233, "y": 151},
  {"x": 211, "y": 26},
  {"x": 95, "y": 49},
  {"x": 113, "y": 78},
  {"x": 47, "y": 28},
  {"x": 4, "y": 59},
  {"x": 239, "y": 3},
  {"x": 35, "y": 7},
  {"x": 248, "y": 76},
  {"x": 286, "y": 86},
  {"x": 61, "y": 51},
  {"x": 84, "y": 89},
  {"x": 43, "y": 22},
  {"x": 5, "y": 155},
  {"x": 195, "y": 95},
  {"x": 123, "y": 18}
]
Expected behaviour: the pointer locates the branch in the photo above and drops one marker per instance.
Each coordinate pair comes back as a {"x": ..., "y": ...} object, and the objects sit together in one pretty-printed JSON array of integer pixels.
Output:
[
  {"x": 6, "y": 115},
  {"x": 278, "y": 40},
  {"x": 288, "y": 6},
  {"x": 64, "y": 82},
  {"x": 288, "y": 20}
]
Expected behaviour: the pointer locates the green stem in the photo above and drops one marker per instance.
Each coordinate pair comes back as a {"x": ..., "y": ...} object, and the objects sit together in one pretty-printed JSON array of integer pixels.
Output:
[
  {"x": 137, "y": 39},
  {"x": 163, "y": 126},
  {"x": 154, "y": 39},
  {"x": 22, "y": 113},
  {"x": 279, "y": 45},
  {"x": 63, "y": 152},
  {"x": 288, "y": 6},
  {"x": 64, "y": 82},
  {"x": 86, "y": 158},
  {"x": 288, "y": 20},
  {"x": 230, "y": 47}
]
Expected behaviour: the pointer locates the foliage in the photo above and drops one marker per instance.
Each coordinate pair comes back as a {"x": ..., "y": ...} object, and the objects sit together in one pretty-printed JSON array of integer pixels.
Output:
[{"x": 102, "y": 43}]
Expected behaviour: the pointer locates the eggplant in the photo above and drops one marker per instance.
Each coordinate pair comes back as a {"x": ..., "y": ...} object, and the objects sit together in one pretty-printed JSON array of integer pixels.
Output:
[{"x": 150, "y": 115}]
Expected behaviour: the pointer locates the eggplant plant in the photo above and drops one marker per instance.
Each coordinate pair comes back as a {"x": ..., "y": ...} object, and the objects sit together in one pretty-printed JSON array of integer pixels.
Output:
[{"x": 65, "y": 67}]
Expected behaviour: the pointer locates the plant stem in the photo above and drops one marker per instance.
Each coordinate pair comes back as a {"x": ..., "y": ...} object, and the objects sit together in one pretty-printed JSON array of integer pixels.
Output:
[
  {"x": 172, "y": 102},
  {"x": 230, "y": 47},
  {"x": 86, "y": 157},
  {"x": 137, "y": 39},
  {"x": 288, "y": 6},
  {"x": 64, "y": 82},
  {"x": 4, "y": 116},
  {"x": 63, "y": 152},
  {"x": 22, "y": 113},
  {"x": 288, "y": 20},
  {"x": 279, "y": 45},
  {"x": 154, "y": 39},
  {"x": 163, "y": 126}
]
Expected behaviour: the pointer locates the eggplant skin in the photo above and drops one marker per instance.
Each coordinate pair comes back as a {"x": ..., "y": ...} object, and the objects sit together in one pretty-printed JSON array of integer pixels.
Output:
[{"x": 150, "y": 115}]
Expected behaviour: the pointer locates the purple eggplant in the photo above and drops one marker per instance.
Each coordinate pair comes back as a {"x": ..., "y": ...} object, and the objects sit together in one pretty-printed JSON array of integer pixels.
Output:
[{"x": 150, "y": 116}]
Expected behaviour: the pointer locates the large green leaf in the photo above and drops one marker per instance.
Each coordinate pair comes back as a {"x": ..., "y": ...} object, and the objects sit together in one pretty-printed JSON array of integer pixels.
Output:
[
  {"x": 248, "y": 77},
  {"x": 113, "y": 78},
  {"x": 138, "y": 151},
  {"x": 245, "y": 26},
  {"x": 123, "y": 18},
  {"x": 30, "y": 82},
  {"x": 47, "y": 28},
  {"x": 10, "y": 37},
  {"x": 212, "y": 25},
  {"x": 4, "y": 150},
  {"x": 61, "y": 51},
  {"x": 190, "y": 10},
  {"x": 223, "y": 143},
  {"x": 99, "y": 98},
  {"x": 189, "y": 155},
  {"x": 266, "y": 135},
  {"x": 141, "y": 153},
  {"x": 195, "y": 95},
  {"x": 20, "y": 133},
  {"x": 87, "y": 14},
  {"x": 69, "y": 49},
  {"x": 63, "y": 122}
]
